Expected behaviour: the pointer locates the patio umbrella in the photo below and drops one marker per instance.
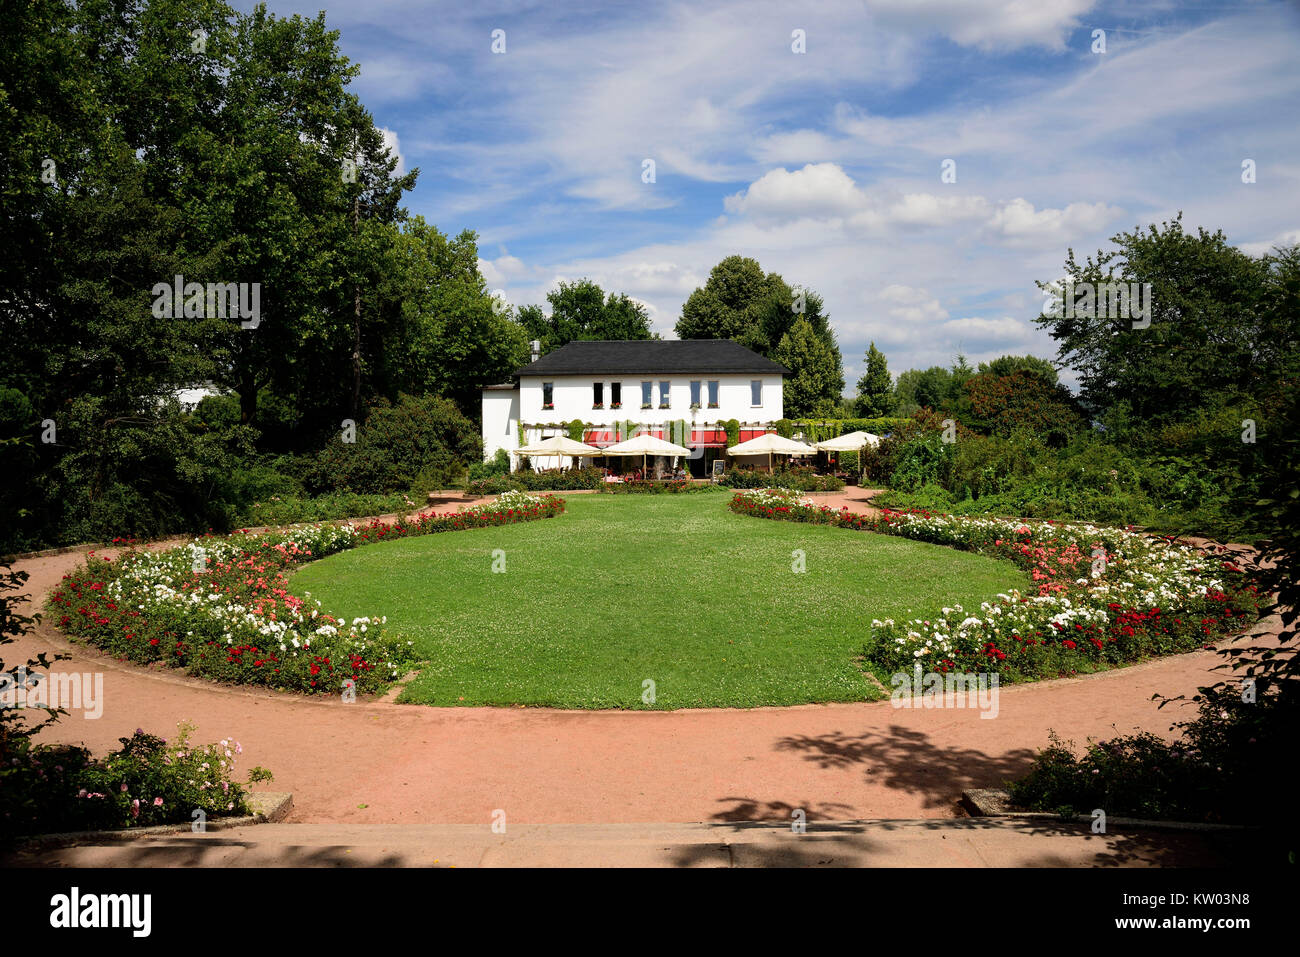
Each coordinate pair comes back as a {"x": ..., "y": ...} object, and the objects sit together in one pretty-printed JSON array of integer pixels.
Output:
[
  {"x": 558, "y": 445},
  {"x": 852, "y": 442},
  {"x": 645, "y": 445},
  {"x": 771, "y": 443}
]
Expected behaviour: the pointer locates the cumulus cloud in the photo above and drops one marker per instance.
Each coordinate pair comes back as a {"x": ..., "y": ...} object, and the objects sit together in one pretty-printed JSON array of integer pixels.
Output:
[
  {"x": 825, "y": 192},
  {"x": 392, "y": 143},
  {"x": 1018, "y": 221}
]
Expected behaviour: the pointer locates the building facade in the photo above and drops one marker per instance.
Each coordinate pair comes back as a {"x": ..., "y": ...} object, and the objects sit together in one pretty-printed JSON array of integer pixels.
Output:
[{"x": 679, "y": 390}]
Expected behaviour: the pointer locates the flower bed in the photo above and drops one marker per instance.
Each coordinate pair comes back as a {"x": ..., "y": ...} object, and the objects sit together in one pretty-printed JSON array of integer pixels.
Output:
[
  {"x": 1104, "y": 595},
  {"x": 146, "y": 782},
  {"x": 220, "y": 607}
]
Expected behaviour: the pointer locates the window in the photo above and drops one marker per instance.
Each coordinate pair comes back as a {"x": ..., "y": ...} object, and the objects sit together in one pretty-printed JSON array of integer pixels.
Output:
[
  {"x": 548, "y": 395},
  {"x": 598, "y": 395},
  {"x": 713, "y": 393},
  {"x": 755, "y": 392},
  {"x": 663, "y": 395},
  {"x": 616, "y": 395},
  {"x": 695, "y": 394},
  {"x": 647, "y": 393}
]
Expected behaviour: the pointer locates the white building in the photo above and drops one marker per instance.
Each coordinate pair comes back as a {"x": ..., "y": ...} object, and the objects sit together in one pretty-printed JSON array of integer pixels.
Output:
[{"x": 680, "y": 390}]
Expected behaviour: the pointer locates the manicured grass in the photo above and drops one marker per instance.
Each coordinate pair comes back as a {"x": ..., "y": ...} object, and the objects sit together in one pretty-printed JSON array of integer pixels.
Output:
[{"x": 621, "y": 589}]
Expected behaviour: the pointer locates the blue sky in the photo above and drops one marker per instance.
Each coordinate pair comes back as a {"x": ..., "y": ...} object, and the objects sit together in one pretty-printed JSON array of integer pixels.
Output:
[{"x": 825, "y": 166}]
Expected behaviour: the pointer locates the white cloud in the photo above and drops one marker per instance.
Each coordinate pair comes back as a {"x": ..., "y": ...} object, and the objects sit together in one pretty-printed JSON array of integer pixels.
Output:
[
  {"x": 976, "y": 328},
  {"x": 1287, "y": 238},
  {"x": 1018, "y": 221},
  {"x": 391, "y": 142},
  {"x": 986, "y": 24},
  {"x": 818, "y": 191},
  {"x": 825, "y": 193}
]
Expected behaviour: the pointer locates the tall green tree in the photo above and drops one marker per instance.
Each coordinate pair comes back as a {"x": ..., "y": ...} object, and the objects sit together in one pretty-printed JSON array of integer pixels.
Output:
[
  {"x": 582, "y": 311},
  {"x": 741, "y": 302},
  {"x": 876, "y": 387},
  {"x": 816, "y": 379},
  {"x": 450, "y": 337},
  {"x": 727, "y": 306},
  {"x": 1204, "y": 345},
  {"x": 1006, "y": 365}
]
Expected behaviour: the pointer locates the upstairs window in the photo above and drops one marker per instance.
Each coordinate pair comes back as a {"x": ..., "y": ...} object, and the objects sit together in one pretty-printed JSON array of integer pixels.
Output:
[
  {"x": 548, "y": 395},
  {"x": 663, "y": 395},
  {"x": 695, "y": 393},
  {"x": 713, "y": 393},
  {"x": 647, "y": 394},
  {"x": 756, "y": 392},
  {"x": 616, "y": 395},
  {"x": 598, "y": 395}
]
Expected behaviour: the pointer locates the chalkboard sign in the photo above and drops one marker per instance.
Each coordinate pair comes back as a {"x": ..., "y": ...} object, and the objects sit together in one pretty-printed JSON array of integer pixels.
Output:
[{"x": 719, "y": 467}]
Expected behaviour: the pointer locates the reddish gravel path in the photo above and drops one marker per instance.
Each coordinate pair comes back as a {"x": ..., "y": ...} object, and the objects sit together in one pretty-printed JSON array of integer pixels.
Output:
[{"x": 376, "y": 762}]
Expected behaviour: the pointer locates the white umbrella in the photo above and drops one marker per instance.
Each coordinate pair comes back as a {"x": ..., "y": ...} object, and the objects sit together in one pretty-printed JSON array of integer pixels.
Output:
[
  {"x": 851, "y": 442},
  {"x": 771, "y": 443},
  {"x": 558, "y": 445},
  {"x": 645, "y": 445}
]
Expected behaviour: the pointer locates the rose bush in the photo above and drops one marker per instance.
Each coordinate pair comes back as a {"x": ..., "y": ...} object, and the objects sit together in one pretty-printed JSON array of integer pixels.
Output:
[
  {"x": 220, "y": 606},
  {"x": 1102, "y": 595},
  {"x": 145, "y": 782}
]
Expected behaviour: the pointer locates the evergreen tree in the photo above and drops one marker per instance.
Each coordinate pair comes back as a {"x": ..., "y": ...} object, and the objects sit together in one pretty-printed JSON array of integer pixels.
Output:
[
  {"x": 876, "y": 387},
  {"x": 815, "y": 381}
]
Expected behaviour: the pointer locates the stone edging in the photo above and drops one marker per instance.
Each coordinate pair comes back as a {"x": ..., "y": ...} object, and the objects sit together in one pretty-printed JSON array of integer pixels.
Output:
[
  {"x": 269, "y": 807},
  {"x": 996, "y": 803}
]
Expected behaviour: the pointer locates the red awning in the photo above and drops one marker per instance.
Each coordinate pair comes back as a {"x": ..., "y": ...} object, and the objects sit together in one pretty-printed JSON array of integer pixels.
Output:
[
  {"x": 747, "y": 434},
  {"x": 600, "y": 437}
]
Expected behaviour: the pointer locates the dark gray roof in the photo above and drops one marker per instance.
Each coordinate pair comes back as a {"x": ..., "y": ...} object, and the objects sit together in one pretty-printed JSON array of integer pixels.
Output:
[{"x": 653, "y": 357}]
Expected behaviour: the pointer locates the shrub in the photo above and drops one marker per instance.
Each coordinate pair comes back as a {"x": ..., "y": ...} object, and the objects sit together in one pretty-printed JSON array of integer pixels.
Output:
[
  {"x": 143, "y": 783},
  {"x": 799, "y": 479},
  {"x": 1224, "y": 760},
  {"x": 653, "y": 487},
  {"x": 423, "y": 442},
  {"x": 924, "y": 460},
  {"x": 584, "y": 478},
  {"x": 497, "y": 467},
  {"x": 289, "y": 510}
]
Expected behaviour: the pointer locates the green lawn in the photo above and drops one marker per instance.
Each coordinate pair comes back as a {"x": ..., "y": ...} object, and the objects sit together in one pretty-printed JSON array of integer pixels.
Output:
[{"x": 621, "y": 589}]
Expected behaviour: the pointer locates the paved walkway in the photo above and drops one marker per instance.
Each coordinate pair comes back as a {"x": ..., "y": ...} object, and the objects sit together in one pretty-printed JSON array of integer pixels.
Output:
[{"x": 378, "y": 763}]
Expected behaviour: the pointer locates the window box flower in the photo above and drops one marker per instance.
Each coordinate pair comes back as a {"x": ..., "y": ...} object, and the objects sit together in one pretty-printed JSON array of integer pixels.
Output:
[
  {"x": 598, "y": 405},
  {"x": 645, "y": 405},
  {"x": 616, "y": 405}
]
